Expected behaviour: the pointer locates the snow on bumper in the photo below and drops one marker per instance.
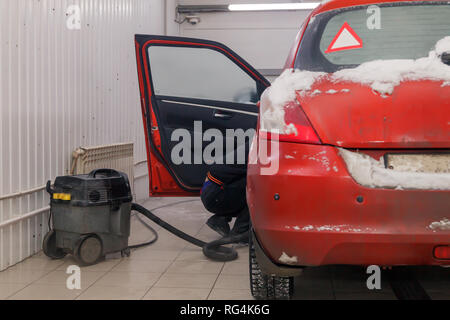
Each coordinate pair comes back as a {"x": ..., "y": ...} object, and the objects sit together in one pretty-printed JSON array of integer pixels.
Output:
[{"x": 372, "y": 173}]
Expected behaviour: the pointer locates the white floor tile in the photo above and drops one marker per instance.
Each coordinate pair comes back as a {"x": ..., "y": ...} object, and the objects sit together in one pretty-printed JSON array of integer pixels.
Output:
[
  {"x": 151, "y": 253},
  {"x": 156, "y": 293},
  {"x": 17, "y": 275},
  {"x": 38, "y": 263},
  {"x": 233, "y": 282},
  {"x": 205, "y": 281},
  {"x": 102, "y": 266},
  {"x": 8, "y": 289},
  {"x": 149, "y": 266},
  {"x": 60, "y": 278},
  {"x": 192, "y": 254},
  {"x": 230, "y": 294},
  {"x": 98, "y": 292},
  {"x": 128, "y": 279},
  {"x": 46, "y": 292},
  {"x": 195, "y": 267},
  {"x": 237, "y": 267}
]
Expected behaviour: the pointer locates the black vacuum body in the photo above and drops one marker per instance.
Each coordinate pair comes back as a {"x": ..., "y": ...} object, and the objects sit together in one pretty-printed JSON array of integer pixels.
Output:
[
  {"x": 91, "y": 218},
  {"x": 90, "y": 215}
]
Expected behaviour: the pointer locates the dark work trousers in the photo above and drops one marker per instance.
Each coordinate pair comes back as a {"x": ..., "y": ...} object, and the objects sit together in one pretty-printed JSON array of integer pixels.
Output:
[{"x": 226, "y": 200}]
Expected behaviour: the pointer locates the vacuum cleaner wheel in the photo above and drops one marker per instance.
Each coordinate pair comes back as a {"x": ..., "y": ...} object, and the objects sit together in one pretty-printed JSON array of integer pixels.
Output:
[
  {"x": 89, "y": 250},
  {"x": 49, "y": 246}
]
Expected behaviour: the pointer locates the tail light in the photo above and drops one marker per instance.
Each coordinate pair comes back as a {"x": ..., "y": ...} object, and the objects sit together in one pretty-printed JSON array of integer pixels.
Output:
[
  {"x": 296, "y": 126},
  {"x": 442, "y": 252}
]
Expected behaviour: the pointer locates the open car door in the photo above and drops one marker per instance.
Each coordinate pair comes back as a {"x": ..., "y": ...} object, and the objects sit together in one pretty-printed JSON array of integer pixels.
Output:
[{"x": 188, "y": 86}]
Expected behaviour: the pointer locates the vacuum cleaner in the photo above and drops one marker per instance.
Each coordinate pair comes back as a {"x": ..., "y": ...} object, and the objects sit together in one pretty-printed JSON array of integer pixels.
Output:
[{"x": 90, "y": 218}]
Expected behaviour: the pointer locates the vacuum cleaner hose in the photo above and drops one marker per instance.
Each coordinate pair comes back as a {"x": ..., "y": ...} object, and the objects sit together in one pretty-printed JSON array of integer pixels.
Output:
[{"x": 213, "y": 250}]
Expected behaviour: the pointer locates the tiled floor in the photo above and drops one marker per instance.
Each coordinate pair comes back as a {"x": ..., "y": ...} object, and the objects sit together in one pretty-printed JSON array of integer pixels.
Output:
[{"x": 174, "y": 269}]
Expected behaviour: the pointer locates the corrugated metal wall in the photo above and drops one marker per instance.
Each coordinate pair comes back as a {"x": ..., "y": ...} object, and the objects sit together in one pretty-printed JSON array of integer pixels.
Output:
[{"x": 61, "y": 88}]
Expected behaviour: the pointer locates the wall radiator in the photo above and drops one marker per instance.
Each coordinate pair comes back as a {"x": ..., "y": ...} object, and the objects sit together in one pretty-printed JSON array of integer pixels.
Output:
[{"x": 114, "y": 156}]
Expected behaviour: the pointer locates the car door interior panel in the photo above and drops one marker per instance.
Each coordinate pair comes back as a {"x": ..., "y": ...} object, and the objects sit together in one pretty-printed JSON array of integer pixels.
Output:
[{"x": 193, "y": 85}]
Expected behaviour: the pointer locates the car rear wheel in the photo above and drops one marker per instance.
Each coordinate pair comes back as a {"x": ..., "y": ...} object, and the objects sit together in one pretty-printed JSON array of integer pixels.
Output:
[{"x": 264, "y": 286}]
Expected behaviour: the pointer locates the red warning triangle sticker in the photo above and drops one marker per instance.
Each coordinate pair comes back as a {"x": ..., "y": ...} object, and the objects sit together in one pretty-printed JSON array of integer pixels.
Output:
[{"x": 345, "y": 39}]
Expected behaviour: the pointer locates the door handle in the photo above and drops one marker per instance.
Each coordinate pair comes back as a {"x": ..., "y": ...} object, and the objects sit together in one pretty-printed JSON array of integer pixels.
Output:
[{"x": 223, "y": 115}]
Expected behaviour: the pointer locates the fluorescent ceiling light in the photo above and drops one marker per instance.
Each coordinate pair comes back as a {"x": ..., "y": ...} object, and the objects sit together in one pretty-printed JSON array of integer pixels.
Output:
[{"x": 273, "y": 6}]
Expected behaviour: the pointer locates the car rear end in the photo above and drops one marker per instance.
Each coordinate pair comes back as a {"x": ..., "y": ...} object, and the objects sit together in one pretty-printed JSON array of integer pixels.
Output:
[
  {"x": 325, "y": 217},
  {"x": 354, "y": 169}
]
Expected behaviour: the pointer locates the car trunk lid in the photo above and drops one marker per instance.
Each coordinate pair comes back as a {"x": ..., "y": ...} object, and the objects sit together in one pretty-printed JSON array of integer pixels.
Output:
[{"x": 353, "y": 115}]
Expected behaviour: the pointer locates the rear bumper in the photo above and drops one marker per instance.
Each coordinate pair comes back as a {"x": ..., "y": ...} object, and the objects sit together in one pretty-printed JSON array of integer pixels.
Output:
[{"x": 322, "y": 216}]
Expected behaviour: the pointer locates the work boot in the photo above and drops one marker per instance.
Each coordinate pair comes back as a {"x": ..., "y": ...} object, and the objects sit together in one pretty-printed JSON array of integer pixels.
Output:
[
  {"x": 219, "y": 224},
  {"x": 242, "y": 224}
]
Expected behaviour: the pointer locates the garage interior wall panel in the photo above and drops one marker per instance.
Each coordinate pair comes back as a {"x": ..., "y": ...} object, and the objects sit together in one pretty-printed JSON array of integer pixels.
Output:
[
  {"x": 262, "y": 38},
  {"x": 61, "y": 88}
]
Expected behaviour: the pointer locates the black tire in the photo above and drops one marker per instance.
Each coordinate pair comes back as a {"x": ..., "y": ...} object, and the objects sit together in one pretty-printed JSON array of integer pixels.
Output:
[
  {"x": 267, "y": 287},
  {"x": 89, "y": 250},
  {"x": 49, "y": 246}
]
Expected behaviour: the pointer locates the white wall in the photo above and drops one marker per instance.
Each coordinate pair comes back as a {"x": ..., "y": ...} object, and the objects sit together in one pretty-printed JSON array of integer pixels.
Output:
[
  {"x": 60, "y": 89},
  {"x": 262, "y": 38}
]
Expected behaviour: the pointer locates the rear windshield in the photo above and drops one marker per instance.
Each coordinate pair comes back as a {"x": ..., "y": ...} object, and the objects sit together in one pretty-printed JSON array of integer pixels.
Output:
[{"x": 348, "y": 37}]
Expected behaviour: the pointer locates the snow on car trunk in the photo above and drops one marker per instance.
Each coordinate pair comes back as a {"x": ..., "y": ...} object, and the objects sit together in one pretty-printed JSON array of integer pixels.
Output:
[
  {"x": 443, "y": 224},
  {"x": 279, "y": 94}
]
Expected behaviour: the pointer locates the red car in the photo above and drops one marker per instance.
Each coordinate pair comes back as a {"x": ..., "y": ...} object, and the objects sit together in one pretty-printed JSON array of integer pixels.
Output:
[{"x": 357, "y": 130}]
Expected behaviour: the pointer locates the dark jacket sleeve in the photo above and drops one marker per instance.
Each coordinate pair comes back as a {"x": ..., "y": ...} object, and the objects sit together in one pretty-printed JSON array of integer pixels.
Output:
[{"x": 227, "y": 173}]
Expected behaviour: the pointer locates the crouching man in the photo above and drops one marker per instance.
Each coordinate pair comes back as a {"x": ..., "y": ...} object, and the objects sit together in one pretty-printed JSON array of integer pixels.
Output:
[{"x": 224, "y": 194}]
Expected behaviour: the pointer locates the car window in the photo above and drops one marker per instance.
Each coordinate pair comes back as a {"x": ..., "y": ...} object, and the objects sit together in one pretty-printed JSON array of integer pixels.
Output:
[
  {"x": 199, "y": 73},
  {"x": 351, "y": 36}
]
